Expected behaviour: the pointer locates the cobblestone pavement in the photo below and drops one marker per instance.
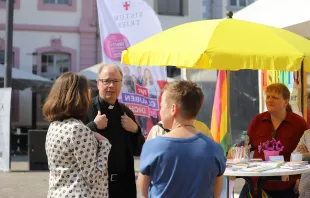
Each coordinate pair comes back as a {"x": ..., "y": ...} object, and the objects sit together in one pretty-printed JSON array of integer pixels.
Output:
[
  {"x": 20, "y": 183},
  {"x": 23, "y": 184}
]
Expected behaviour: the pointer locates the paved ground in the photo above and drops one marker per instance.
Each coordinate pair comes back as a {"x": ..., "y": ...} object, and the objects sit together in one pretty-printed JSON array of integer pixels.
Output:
[
  {"x": 23, "y": 184},
  {"x": 20, "y": 183}
]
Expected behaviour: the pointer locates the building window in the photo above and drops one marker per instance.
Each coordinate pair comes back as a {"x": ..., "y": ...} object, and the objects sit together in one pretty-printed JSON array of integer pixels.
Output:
[
  {"x": 16, "y": 4},
  {"x": 54, "y": 64},
  {"x": 57, "y": 5},
  {"x": 4, "y": 1},
  {"x": 170, "y": 7},
  {"x": 60, "y": 2},
  {"x": 2, "y": 56},
  {"x": 239, "y": 3}
]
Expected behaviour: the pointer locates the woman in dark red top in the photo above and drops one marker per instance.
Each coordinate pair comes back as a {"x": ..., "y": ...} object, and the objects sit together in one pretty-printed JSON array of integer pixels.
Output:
[{"x": 281, "y": 123}]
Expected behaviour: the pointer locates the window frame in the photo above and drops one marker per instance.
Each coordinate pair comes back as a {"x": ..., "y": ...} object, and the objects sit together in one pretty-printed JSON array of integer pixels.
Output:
[
  {"x": 41, "y": 98},
  {"x": 54, "y": 54},
  {"x": 57, "y": 7},
  {"x": 238, "y": 4},
  {"x": 182, "y": 9}
]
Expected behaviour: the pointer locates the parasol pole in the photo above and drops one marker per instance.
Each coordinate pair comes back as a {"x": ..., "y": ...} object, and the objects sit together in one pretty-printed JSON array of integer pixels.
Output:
[{"x": 228, "y": 136}]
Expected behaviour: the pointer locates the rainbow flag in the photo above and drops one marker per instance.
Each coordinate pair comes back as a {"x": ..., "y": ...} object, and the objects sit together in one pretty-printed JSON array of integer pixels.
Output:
[{"x": 219, "y": 126}]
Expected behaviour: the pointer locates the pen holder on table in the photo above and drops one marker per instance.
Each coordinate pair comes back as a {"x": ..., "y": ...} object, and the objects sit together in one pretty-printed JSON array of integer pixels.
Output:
[{"x": 240, "y": 154}]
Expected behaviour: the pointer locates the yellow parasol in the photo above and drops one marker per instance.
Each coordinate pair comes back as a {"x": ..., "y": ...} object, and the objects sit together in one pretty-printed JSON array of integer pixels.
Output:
[{"x": 223, "y": 44}]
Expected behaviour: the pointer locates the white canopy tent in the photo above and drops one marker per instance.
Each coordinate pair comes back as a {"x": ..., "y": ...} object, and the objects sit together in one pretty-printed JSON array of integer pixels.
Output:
[
  {"x": 292, "y": 15},
  {"x": 91, "y": 74},
  {"x": 22, "y": 79}
]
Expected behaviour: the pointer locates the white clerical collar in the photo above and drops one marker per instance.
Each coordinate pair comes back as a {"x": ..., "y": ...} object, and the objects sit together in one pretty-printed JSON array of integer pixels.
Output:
[{"x": 111, "y": 107}]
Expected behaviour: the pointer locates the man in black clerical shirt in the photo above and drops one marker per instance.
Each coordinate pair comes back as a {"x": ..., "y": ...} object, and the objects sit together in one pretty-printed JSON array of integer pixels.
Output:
[{"x": 117, "y": 123}]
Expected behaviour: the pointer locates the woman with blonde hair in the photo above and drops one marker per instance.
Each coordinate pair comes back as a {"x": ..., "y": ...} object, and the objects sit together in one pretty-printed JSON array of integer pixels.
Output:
[
  {"x": 153, "y": 89},
  {"x": 77, "y": 157}
]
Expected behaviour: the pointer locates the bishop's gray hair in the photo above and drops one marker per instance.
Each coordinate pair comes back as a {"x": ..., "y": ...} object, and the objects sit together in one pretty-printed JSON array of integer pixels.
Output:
[{"x": 109, "y": 65}]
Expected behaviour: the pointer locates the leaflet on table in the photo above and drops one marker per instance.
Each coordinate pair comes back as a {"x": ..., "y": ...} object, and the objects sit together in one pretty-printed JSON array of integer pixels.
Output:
[
  {"x": 239, "y": 165},
  {"x": 232, "y": 161},
  {"x": 258, "y": 169},
  {"x": 295, "y": 165},
  {"x": 256, "y": 166}
]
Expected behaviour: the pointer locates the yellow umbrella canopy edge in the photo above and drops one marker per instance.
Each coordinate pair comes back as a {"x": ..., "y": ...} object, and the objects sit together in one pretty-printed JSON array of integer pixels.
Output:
[{"x": 223, "y": 46}]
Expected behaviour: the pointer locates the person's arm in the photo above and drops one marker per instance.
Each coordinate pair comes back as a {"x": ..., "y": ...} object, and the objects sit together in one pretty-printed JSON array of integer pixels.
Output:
[
  {"x": 302, "y": 148},
  {"x": 130, "y": 114},
  {"x": 218, "y": 185},
  {"x": 153, "y": 132},
  {"x": 301, "y": 144},
  {"x": 306, "y": 156},
  {"x": 90, "y": 156},
  {"x": 221, "y": 163},
  {"x": 304, "y": 134},
  {"x": 137, "y": 139},
  {"x": 143, "y": 183},
  {"x": 148, "y": 160},
  {"x": 92, "y": 125}
]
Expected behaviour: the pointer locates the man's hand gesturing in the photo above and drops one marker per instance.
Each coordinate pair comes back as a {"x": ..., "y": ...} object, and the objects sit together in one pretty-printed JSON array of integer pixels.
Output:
[
  {"x": 128, "y": 124},
  {"x": 101, "y": 121}
]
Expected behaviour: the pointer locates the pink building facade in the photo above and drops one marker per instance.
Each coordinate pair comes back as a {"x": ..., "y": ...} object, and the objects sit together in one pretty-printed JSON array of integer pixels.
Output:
[
  {"x": 50, "y": 37},
  {"x": 55, "y": 36}
]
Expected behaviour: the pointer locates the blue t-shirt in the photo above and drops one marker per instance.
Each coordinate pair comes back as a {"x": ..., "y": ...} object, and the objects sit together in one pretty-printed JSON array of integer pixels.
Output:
[{"x": 182, "y": 167}]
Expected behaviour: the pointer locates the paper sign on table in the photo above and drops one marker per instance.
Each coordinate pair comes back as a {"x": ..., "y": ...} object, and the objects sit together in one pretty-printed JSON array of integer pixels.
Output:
[{"x": 278, "y": 158}]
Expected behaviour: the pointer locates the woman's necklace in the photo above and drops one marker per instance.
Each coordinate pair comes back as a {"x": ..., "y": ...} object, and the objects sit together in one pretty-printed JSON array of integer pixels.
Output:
[{"x": 186, "y": 125}]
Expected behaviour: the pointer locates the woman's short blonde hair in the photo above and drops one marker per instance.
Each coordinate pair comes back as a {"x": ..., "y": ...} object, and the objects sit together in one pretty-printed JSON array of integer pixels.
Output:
[
  {"x": 68, "y": 98},
  {"x": 187, "y": 95}
]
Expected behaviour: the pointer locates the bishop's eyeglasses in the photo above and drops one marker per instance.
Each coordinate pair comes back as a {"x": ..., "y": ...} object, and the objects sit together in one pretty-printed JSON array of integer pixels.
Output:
[{"x": 107, "y": 82}]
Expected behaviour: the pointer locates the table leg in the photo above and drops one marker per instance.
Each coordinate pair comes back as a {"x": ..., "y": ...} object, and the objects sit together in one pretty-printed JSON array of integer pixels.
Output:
[{"x": 229, "y": 185}]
